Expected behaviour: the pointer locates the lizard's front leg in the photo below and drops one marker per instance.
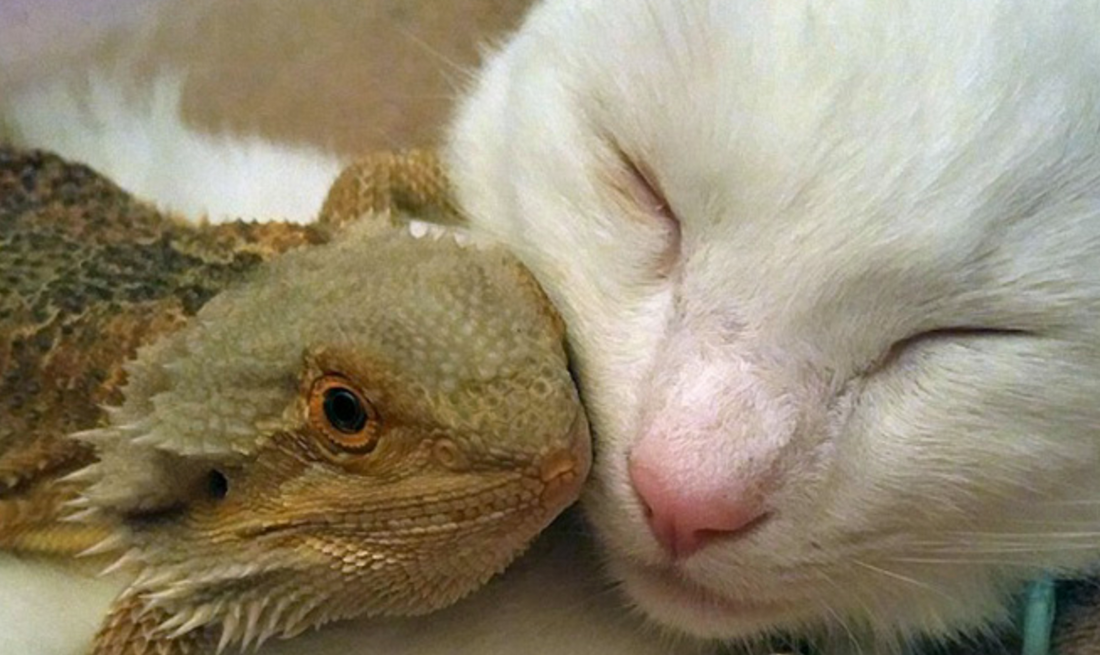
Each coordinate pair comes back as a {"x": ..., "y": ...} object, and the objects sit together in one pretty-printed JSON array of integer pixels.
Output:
[{"x": 382, "y": 184}]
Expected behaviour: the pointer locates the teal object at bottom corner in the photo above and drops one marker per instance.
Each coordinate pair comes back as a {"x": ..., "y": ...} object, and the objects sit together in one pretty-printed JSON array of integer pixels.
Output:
[{"x": 1038, "y": 619}]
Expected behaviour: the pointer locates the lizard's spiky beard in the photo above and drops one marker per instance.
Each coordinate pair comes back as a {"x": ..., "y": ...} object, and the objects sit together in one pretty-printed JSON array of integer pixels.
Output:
[{"x": 252, "y": 578}]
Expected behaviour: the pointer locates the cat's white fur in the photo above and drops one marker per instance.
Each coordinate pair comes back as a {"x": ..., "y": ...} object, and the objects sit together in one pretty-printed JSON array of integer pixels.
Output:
[
  {"x": 874, "y": 298},
  {"x": 878, "y": 279},
  {"x": 140, "y": 137}
]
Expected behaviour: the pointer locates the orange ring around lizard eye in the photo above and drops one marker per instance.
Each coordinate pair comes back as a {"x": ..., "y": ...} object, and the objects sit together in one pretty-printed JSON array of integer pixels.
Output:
[{"x": 343, "y": 415}]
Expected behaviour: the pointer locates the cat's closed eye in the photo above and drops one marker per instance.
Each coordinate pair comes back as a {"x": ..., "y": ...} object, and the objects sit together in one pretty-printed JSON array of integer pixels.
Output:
[
  {"x": 899, "y": 349},
  {"x": 648, "y": 203}
]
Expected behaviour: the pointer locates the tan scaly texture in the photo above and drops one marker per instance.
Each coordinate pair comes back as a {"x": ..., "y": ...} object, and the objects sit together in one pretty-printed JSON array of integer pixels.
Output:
[{"x": 195, "y": 366}]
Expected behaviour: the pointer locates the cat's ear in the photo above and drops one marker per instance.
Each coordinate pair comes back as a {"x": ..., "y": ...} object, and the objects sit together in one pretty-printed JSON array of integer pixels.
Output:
[{"x": 391, "y": 189}]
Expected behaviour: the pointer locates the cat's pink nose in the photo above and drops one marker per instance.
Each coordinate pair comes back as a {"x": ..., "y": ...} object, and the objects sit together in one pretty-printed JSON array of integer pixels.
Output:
[{"x": 685, "y": 519}]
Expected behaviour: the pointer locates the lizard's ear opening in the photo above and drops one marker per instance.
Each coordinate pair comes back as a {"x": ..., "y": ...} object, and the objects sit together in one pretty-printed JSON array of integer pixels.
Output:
[
  {"x": 217, "y": 485},
  {"x": 134, "y": 480},
  {"x": 189, "y": 406}
]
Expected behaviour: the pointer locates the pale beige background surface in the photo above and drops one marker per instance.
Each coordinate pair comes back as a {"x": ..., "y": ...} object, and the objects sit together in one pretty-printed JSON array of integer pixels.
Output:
[{"x": 346, "y": 75}]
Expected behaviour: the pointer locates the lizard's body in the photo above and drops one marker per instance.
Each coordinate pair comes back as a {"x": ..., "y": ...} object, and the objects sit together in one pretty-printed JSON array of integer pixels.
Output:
[
  {"x": 245, "y": 511},
  {"x": 89, "y": 275}
]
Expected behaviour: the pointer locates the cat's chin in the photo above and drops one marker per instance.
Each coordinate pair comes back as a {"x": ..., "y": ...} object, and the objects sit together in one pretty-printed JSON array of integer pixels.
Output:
[{"x": 676, "y": 602}]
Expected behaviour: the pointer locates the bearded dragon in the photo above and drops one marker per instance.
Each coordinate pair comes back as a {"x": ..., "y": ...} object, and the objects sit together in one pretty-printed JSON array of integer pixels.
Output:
[{"x": 277, "y": 426}]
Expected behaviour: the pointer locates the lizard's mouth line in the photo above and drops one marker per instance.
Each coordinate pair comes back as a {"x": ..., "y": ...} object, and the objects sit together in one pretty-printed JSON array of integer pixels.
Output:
[
  {"x": 508, "y": 519},
  {"x": 519, "y": 511}
]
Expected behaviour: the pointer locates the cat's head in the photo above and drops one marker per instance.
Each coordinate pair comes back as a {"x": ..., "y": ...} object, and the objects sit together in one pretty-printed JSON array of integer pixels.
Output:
[{"x": 832, "y": 282}]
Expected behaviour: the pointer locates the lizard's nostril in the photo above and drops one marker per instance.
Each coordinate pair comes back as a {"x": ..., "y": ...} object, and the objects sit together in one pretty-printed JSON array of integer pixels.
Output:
[
  {"x": 557, "y": 464},
  {"x": 562, "y": 471}
]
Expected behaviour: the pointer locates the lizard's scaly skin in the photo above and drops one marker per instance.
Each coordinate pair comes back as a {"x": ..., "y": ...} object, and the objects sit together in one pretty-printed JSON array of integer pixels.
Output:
[
  {"x": 411, "y": 181},
  {"x": 87, "y": 274},
  {"x": 238, "y": 506}
]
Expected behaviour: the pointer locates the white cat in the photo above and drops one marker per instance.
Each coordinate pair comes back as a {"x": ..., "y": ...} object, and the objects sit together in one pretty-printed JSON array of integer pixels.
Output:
[
  {"x": 832, "y": 276},
  {"x": 831, "y": 272}
]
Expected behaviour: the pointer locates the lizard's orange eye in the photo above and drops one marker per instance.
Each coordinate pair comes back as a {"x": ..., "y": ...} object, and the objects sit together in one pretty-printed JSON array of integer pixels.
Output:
[{"x": 343, "y": 415}]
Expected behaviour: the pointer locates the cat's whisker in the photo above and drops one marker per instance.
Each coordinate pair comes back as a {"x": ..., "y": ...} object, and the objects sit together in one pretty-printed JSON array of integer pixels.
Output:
[
  {"x": 452, "y": 70},
  {"x": 968, "y": 561},
  {"x": 1084, "y": 522},
  {"x": 844, "y": 626},
  {"x": 855, "y": 594},
  {"x": 1002, "y": 546},
  {"x": 899, "y": 577},
  {"x": 1070, "y": 503},
  {"x": 1046, "y": 535}
]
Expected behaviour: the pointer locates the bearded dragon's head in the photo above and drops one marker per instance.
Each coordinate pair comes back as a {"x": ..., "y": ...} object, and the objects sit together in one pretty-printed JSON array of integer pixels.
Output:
[{"x": 373, "y": 426}]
